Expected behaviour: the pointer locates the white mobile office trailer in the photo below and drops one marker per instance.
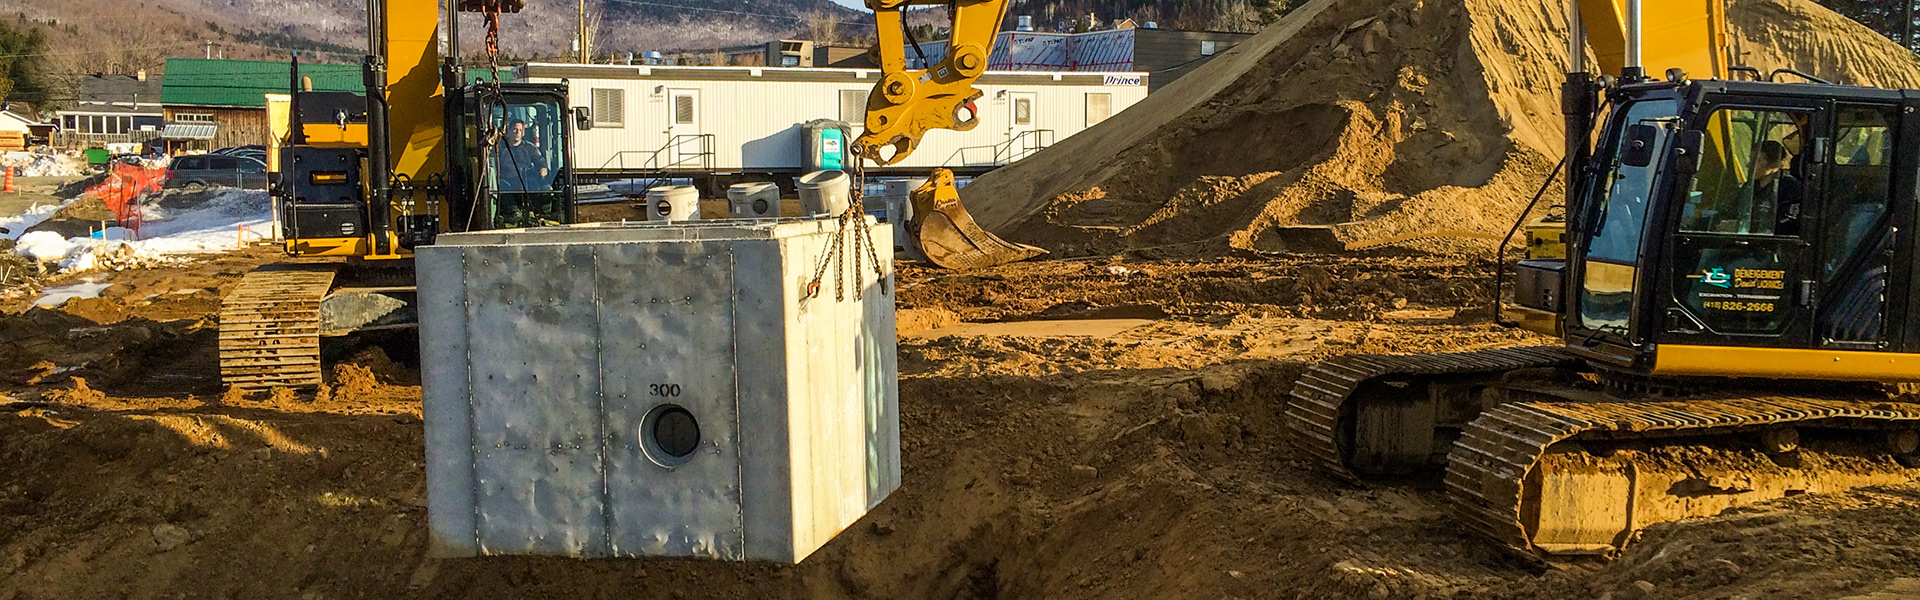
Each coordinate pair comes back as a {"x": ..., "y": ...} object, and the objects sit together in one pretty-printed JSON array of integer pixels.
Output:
[{"x": 650, "y": 119}]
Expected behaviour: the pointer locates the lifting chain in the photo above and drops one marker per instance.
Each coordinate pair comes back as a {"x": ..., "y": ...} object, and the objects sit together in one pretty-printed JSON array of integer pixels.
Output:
[
  {"x": 853, "y": 220},
  {"x": 492, "y": 18}
]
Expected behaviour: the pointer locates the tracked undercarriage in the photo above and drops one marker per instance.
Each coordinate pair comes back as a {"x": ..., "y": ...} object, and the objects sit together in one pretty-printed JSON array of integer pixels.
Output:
[
  {"x": 272, "y": 322},
  {"x": 1547, "y": 457}
]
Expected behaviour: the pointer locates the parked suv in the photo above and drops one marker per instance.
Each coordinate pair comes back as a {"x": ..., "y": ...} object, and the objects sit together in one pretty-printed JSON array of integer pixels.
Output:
[
  {"x": 196, "y": 173},
  {"x": 253, "y": 151}
]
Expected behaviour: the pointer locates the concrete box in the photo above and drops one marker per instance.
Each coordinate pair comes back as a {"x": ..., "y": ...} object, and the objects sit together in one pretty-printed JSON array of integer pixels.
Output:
[{"x": 625, "y": 390}]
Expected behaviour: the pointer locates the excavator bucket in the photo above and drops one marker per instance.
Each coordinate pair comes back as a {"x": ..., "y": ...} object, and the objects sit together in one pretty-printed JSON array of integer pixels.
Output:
[{"x": 947, "y": 235}]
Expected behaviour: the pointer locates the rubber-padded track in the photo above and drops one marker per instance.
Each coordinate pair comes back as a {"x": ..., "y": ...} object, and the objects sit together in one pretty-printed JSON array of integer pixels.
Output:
[
  {"x": 1322, "y": 394},
  {"x": 1493, "y": 456}
]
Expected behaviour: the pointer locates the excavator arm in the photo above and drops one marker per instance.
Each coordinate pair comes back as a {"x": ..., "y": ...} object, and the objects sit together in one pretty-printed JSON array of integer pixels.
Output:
[{"x": 908, "y": 103}]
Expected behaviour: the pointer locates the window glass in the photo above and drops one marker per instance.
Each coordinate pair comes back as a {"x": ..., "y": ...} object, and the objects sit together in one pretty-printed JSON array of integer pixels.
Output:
[
  {"x": 1022, "y": 111},
  {"x": 609, "y": 107},
  {"x": 1099, "y": 107},
  {"x": 1750, "y": 178},
  {"x": 1621, "y": 194},
  {"x": 1855, "y": 228},
  {"x": 222, "y": 163},
  {"x": 526, "y": 162},
  {"x": 683, "y": 110}
]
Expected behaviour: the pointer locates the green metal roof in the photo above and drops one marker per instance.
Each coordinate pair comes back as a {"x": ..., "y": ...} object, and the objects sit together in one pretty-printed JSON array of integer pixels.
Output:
[{"x": 223, "y": 82}]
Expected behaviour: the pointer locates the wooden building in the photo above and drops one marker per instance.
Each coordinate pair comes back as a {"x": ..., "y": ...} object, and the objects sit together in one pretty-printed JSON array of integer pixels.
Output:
[{"x": 218, "y": 103}]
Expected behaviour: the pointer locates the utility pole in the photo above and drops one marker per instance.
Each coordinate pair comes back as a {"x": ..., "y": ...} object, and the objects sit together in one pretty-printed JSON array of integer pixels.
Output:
[
  {"x": 580, "y": 35},
  {"x": 1906, "y": 25}
]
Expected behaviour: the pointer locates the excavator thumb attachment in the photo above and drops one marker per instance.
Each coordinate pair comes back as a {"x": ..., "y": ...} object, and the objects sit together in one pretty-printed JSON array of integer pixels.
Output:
[{"x": 947, "y": 235}]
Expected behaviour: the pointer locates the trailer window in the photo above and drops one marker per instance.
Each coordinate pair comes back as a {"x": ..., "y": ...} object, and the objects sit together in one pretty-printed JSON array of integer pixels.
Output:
[
  {"x": 1099, "y": 107},
  {"x": 853, "y": 106},
  {"x": 1022, "y": 111},
  {"x": 609, "y": 107},
  {"x": 683, "y": 110}
]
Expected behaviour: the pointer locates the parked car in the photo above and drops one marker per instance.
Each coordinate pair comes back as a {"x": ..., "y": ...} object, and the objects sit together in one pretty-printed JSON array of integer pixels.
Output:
[
  {"x": 253, "y": 151},
  {"x": 196, "y": 173}
]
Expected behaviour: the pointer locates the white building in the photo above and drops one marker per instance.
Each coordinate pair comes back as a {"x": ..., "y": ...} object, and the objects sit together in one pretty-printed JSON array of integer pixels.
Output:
[
  {"x": 111, "y": 108},
  {"x": 749, "y": 119}
]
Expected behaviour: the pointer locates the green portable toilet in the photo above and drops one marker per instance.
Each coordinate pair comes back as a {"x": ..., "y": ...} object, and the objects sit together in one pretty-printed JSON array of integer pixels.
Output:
[{"x": 826, "y": 145}]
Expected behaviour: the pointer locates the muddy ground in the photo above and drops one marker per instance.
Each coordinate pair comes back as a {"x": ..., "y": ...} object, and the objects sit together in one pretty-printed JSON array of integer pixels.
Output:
[
  {"x": 1072, "y": 429},
  {"x": 28, "y": 191}
]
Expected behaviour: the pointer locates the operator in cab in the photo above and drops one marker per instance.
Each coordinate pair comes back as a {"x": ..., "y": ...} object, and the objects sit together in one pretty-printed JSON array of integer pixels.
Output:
[
  {"x": 1776, "y": 192},
  {"x": 520, "y": 164}
]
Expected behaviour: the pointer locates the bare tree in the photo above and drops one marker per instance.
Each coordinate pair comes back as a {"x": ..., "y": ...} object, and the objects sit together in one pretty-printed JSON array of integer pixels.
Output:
[{"x": 822, "y": 28}]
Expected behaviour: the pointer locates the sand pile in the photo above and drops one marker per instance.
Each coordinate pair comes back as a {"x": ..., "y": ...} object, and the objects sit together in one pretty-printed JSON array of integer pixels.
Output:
[{"x": 1354, "y": 121}]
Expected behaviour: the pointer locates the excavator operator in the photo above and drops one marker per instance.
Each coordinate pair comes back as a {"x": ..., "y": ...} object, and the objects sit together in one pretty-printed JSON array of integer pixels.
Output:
[
  {"x": 520, "y": 163},
  {"x": 1776, "y": 192}
]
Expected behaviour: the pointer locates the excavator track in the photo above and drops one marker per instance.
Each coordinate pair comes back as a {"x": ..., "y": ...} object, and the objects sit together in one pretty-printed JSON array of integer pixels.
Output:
[
  {"x": 1521, "y": 471},
  {"x": 270, "y": 329},
  {"x": 1496, "y": 480},
  {"x": 1322, "y": 395}
]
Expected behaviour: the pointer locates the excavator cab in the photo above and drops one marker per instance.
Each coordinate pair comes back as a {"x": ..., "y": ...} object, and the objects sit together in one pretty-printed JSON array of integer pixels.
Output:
[
  {"x": 513, "y": 155},
  {"x": 1726, "y": 228}
]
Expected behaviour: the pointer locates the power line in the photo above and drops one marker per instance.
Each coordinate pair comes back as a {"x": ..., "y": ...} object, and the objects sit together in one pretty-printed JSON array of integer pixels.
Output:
[
  {"x": 103, "y": 51},
  {"x": 732, "y": 12}
]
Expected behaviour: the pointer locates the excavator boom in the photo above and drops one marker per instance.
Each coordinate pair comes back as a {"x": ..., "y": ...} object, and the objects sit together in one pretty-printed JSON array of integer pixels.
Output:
[{"x": 1690, "y": 35}]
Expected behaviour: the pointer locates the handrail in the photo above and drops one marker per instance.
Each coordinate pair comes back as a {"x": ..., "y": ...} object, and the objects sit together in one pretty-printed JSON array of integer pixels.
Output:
[
  {"x": 673, "y": 149},
  {"x": 1004, "y": 152}
]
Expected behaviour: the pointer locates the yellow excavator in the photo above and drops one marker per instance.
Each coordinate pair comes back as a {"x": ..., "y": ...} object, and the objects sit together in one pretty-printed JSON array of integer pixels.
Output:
[
  {"x": 1733, "y": 287},
  {"x": 359, "y": 180}
]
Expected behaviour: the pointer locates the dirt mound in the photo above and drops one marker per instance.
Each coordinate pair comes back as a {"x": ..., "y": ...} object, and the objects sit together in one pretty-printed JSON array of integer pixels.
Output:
[
  {"x": 1152, "y": 463},
  {"x": 80, "y": 218},
  {"x": 1359, "y": 120}
]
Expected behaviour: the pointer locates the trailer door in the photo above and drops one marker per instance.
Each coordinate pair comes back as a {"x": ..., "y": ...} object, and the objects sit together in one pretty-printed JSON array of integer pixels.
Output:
[
  {"x": 686, "y": 147},
  {"x": 1021, "y": 138}
]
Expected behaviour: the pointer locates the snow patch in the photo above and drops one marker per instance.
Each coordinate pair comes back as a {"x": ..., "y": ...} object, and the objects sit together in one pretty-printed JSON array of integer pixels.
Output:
[
  {"x": 44, "y": 246},
  {"x": 56, "y": 296},
  {"x": 29, "y": 164},
  {"x": 221, "y": 223}
]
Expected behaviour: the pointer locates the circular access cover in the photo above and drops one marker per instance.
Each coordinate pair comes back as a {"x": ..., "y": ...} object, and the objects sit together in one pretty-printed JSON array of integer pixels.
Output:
[{"x": 669, "y": 434}]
